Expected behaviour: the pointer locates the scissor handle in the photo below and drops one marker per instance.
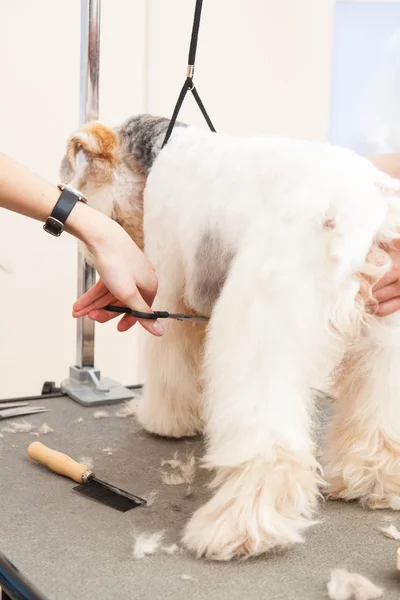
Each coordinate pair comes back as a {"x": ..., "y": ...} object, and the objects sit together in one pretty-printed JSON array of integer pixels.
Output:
[{"x": 160, "y": 314}]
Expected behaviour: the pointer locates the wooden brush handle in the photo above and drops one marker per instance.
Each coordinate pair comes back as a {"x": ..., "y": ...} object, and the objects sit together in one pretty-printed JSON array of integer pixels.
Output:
[{"x": 57, "y": 462}]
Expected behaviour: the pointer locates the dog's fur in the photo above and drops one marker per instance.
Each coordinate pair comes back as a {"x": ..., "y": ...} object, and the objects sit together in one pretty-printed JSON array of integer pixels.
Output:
[{"x": 279, "y": 242}]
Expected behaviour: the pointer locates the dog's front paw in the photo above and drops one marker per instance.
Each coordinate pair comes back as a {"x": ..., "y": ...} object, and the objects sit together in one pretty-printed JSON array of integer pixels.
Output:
[
  {"x": 255, "y": 510},
  {"x": 166, "y": 420},
  {"x": 221, "y": 536}
]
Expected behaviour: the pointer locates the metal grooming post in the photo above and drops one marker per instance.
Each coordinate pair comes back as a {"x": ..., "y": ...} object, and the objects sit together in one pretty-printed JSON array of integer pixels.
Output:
[{"x": 85, "y": 385}]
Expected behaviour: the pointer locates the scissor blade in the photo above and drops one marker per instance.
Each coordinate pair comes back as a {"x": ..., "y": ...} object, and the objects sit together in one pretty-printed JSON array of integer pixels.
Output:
[
  {"x": 180, "y": 317},
  {"x": 19, "y": 412},
  {"x": 13, "y": 404}
]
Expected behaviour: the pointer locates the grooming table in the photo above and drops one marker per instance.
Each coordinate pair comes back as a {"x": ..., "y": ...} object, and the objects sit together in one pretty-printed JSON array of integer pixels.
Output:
[{"x": 71, "y": 547}]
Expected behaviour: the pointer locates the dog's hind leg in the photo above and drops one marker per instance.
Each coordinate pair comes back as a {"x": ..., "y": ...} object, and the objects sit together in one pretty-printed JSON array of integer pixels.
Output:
[
  {"x": 363, "y": 446},
  {"x": 362, "y": 453}
]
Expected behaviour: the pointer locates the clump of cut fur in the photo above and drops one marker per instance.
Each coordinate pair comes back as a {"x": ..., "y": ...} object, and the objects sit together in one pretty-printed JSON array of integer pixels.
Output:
[
  {"x": 183, "y": 472},
  {"x": 391, "y": 532},
  {"x": 174, "y": 463},
  {"x": 128, "y": 409},
  {"x": 172, "y": 478},
  {"x": 172, "y": 549},
  {"x": 22, "y": 427},
  {"x": 146, "y": 544},
  {"x": 45, "y": 429},
  {"x": 188, "y": 470},
  {"x": 351, "y": 586},
  {"x": 101, "y": 414}
]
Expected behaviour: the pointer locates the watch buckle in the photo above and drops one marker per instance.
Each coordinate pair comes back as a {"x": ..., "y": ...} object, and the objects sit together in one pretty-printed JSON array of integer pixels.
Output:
[{"x": 56, "y": 222}]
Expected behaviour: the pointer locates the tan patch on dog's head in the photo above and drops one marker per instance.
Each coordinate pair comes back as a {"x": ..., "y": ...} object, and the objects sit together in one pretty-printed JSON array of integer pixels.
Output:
[
  {"x": 97, "y": 140},
  {"x": 100, "y": 146}
]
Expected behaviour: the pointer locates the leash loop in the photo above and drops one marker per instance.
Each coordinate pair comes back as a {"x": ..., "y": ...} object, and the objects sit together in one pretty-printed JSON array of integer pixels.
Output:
[{"x": 189, "y": 86}]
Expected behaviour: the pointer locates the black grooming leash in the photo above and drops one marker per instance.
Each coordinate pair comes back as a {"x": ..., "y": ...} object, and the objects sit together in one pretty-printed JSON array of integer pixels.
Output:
[
  {"x": 157, "y": 314},
  {"x": 189, "y": 85}
]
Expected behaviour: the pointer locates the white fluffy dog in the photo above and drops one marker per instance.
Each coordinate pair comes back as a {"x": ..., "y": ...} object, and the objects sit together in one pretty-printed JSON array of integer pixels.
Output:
[{"x": 279, "y": 242}]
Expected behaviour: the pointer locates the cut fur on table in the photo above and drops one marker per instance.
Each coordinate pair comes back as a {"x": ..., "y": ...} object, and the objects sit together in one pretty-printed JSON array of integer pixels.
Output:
[
  {"x": 352, "y": 586},
  {"x": 146, "y": 544},
  {"x": 391, "y": 532},
  {"x": 128, "y": 409},
  {"x": 279, "y": 242},
  {"x": 22, "y": 427},
  {"x": 188, "y": 470},
  {"x": 45, "y": 429},
  {"x": 184, "y": 471},
  {"x": 172, "y": 549},
  {"x": 172, "y": 478},
  {"x": 174, "y": 463},
  {"x": 101, "y": 414}
]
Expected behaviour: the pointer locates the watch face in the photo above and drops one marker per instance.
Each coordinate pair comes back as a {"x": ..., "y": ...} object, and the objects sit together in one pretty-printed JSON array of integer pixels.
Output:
[
  {"x": 81, "y": 197},
  {"x": 53, "y": 226}
]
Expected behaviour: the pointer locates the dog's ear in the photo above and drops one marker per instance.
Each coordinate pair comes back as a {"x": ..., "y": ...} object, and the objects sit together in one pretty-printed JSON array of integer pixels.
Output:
[{"x": 97, "y": 142}]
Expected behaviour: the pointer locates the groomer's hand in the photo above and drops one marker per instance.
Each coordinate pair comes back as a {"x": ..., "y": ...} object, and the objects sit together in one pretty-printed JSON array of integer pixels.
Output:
[
  {"x": 127, "y": 278},
  {"x": 387, "y": 291}
]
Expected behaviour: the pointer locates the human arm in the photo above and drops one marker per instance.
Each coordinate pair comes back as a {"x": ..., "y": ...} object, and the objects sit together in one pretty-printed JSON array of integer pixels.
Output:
[{"x": 126, "y": 277}]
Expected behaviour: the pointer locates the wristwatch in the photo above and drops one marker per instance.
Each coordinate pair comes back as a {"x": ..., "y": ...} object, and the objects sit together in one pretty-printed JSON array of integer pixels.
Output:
[{"x": 56, "y": 221}]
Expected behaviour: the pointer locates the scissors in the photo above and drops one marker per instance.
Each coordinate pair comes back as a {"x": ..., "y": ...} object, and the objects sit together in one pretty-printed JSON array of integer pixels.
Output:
[
  {"x": 17, "y": 409},
  {"x": 157, "y": 314}
]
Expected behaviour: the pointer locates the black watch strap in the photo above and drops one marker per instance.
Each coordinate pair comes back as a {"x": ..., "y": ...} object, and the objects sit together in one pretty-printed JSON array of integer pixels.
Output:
[{"x": 56, "y": 221}]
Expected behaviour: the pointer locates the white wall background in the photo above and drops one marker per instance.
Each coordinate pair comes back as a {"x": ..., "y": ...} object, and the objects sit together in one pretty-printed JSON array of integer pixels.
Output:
[{"x": 263, "y": 67}]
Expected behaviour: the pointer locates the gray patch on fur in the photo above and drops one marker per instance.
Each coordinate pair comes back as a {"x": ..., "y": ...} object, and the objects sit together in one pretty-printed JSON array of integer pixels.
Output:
[
  {"x": 142, "y": 136},
  {"x": 212, "y": 262}
]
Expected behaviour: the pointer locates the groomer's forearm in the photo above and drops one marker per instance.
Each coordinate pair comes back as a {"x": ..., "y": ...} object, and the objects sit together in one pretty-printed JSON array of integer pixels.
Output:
[
  {"x": 28, "y": 194},
  {"x": 389, "y": 163}
]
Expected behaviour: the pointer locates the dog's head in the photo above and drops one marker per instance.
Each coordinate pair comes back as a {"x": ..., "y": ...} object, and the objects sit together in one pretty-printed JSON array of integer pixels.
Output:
[{"x": 97, "y": 164}]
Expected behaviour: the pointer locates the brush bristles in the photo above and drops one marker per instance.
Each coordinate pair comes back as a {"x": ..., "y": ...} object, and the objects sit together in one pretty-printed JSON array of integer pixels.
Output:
[{"x": 97, "y": 492}]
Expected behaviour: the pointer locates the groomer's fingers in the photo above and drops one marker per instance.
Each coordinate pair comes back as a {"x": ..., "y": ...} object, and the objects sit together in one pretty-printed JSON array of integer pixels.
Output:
[
  {"x": 135, "y": 302},
  {"x": 387, "y": 308},
  {"x": 92, "y": 302},
  {"x": 387, "y": 279},
  {"x": 388, "y": 292},
  {"x": 102, "y": 316},
  {"x": 94, "y": 295},
  {"x": 126, "y": 323},
  {"x": 108, "y": 298}
]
